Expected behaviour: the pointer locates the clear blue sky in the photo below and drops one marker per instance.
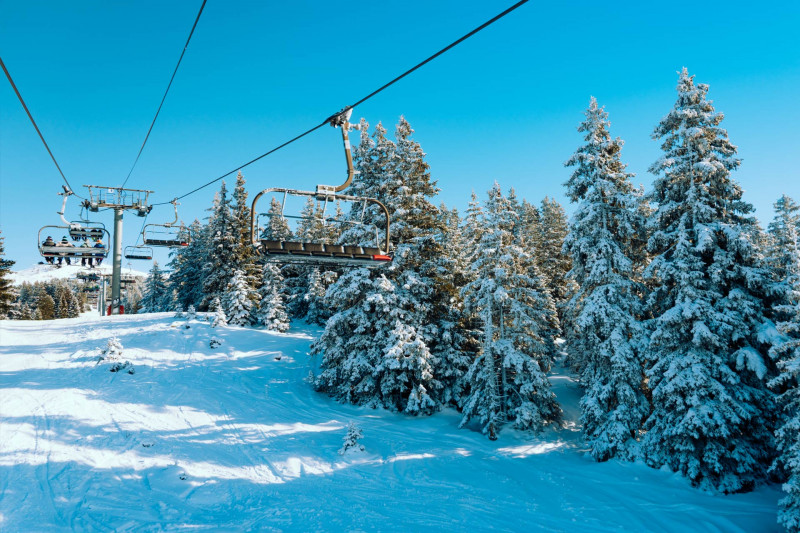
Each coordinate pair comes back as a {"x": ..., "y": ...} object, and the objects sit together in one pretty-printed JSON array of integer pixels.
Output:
[{"x": 503, "y": 105}]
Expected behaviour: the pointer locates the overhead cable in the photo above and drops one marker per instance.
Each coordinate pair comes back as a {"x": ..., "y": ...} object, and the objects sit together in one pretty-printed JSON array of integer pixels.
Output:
[
  {"x": 165, "y": 94},
  {"x": 14, "y": 86},
  {"x": 370, "y": 95}
]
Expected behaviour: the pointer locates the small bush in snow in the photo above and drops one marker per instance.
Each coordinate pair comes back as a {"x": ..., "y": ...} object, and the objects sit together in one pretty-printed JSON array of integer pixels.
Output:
[
  {"x": 113, "y": 350},
  {"x": 113, "y": 354},
  {"x": 191, "y": 313},
  {"x": 219, "y": 318},
  {"x": 118, "y": 366},
  {"x": 214, "y": 342},
  {"x": 354, "y": 434}
]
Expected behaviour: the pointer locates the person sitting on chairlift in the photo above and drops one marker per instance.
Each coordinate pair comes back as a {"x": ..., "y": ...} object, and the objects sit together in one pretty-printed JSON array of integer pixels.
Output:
[
  {"x": 65, "y": 243},
  {"x": 49, "y": 242},
  {"x": 86, "y": 259},
  {"x": 98, "y": 257}
]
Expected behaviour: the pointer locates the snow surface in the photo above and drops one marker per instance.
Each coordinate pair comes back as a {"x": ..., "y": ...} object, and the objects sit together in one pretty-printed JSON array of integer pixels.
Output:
[
  {"x": 234, "y": 438},
  {"x": 45, "y": 272}
]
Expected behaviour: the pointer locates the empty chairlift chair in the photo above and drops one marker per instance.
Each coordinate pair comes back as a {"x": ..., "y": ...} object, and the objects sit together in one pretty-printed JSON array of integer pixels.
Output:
[
  {"x": 338, "y": 254},
  {"x": 168, "y": 235},
  {"x": 143, "y": 253}
]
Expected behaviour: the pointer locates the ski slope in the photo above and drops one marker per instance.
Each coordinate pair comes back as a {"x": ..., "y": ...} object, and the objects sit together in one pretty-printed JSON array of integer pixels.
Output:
[{"x": 232, "y": 438}]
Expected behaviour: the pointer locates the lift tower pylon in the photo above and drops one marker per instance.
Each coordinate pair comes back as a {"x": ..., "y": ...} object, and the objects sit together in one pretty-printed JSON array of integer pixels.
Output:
[{"x": 119, "y": 200}]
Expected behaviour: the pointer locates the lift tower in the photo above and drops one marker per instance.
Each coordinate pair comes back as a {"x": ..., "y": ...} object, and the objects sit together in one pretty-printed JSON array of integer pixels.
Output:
[{"x": 119, "y": 200}]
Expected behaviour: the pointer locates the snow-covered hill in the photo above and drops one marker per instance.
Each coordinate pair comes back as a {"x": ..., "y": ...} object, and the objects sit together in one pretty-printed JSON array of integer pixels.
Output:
[
  {"x": 232, "y": 438},
  {"x": 49, "y": 272}
]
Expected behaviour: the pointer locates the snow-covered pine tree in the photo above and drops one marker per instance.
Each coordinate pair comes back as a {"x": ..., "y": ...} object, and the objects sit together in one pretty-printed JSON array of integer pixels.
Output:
[
  {"x": 245, "y": 253},
  {"x": 218, "y": 317},
  {"x": 238, "y": 304},
  {"x": 311, "y": 228},
  {"x": 375, "y": 158},
  {"x": 784, "y": 261},
  {"x": 554, "y": 263},
  {"x": 508, "y": 381},
  {"x": 156, "y": 293},
  {"x": 787, "y": 354},
  {"x": 602, "y": 319},
  {"x": 530, "y": 225},
  {"x": 782, "y": 256},
  {"x": 318, "y": 283},
  {"x": 7, "y": 293},
  {"x": 224, "y": 241},
  {"x": 277, "y": 226},
  {"x": 712, "y": 414},
  {"x": 382, "y": 346},
  {"x": 187, "y": 263},
  {"x": 411, "y": 189},
  {"x": 272, "y": 307}
]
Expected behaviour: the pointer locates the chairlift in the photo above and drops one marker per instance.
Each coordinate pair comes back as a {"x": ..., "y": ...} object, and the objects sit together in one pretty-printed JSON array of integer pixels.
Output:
[
  {"x": 88, "y": 276},
  {"x": 166, "y": 234},
  {"x": 314, "y": 253},
  {"x": 144, "y": 253}
]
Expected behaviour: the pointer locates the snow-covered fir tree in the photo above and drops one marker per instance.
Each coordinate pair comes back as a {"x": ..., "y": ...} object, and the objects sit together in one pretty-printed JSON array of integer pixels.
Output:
[
  {"x": 156, "y": 296},
  {"x": 187, "y": 263},
  {"x": 272, "y": 307},
  {"x": 311, "y": 227},
  {"x": 603, "y": 330},
  {"x": 7, "y": 293},
  {"x": 782, "y": 256},
  {"x": 318, "y": 283},
  {"x": 784, "y": 261},
  {"x": 507, "y": 380},
  {"x": 224, "y": 242},
  {"x": 712, "y": 414},
  {"x": 787, "y": 353},
  {"x": 245, "y": 253},
  {"x": 277, "y": 227},
  {"x": 554, "y": 263},
  {"x": 390, "y": 341},
  {"x": 238, "y": 303},
  {"x": 218, "y": 317}
]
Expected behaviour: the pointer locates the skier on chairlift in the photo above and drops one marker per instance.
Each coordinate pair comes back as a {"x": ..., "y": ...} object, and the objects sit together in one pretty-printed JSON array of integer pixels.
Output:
[
  {"x": 98, "y": 257},
  {"x": 64, "y": 243},
  {"x": 86, "y": 259},
  {"x": 49, "y": 242}
]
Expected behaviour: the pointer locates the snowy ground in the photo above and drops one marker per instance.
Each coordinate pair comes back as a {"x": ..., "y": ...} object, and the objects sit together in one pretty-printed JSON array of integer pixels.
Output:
[{"x": 232, "y": 438}]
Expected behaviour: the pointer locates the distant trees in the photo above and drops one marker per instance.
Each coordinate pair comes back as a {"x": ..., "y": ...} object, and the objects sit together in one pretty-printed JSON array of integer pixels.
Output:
[
  {"x": 156, "y": 296},
  {"x": 7, "y": 293}
]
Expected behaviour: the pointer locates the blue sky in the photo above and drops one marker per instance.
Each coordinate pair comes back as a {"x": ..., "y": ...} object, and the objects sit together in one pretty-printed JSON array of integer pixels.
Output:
[{"x": 503, "y": 105}]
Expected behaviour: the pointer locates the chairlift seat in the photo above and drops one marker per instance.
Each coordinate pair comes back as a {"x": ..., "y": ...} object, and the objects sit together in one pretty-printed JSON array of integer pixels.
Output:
[
  {"x": 172, "y": 243},
  {"x": 73, "y": 251},
  {"x": 321, "y": 254}
]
